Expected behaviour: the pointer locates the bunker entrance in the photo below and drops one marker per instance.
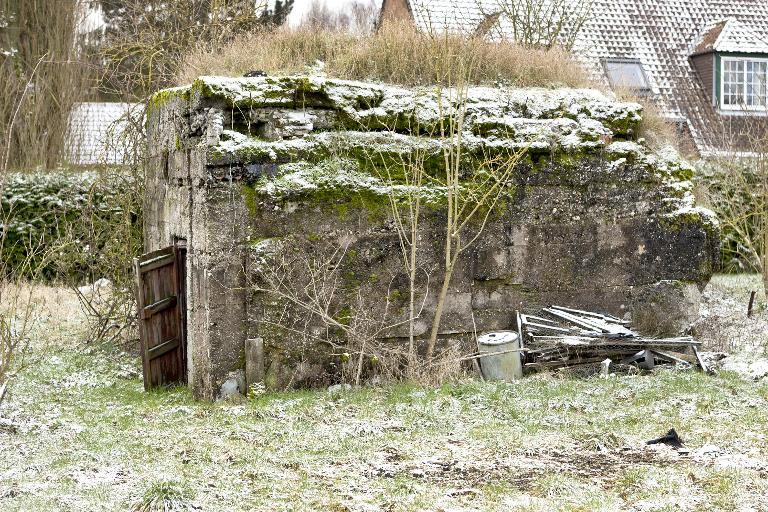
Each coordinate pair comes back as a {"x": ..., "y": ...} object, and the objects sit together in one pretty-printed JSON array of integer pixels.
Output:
[{"x": 161, "y": 285}]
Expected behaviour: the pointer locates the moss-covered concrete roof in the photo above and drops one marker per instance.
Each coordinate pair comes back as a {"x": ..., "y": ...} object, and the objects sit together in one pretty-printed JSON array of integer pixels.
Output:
[
  {"x": 539, "y": 119},
  {"x": 306, "y": 125}
]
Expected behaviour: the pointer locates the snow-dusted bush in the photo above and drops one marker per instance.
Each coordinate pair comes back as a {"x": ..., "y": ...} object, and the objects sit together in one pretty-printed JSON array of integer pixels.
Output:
[{"x": 68, "y": 222}]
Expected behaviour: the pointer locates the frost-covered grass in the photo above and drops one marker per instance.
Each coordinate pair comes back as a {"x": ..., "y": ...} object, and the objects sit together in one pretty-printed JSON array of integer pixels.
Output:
[
  {"x": 738, "y": 286},
  {"x": 79, "y": 433}
]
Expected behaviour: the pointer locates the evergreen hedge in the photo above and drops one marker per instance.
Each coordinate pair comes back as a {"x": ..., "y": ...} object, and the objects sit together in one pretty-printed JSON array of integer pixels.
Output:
[{"x": 70, "y": 225}]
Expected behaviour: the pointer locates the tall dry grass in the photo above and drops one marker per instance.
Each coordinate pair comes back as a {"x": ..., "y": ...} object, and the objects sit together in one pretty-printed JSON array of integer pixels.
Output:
[
  {"x": 656, "y": 129},
  {"x": 397, "y": 53}
]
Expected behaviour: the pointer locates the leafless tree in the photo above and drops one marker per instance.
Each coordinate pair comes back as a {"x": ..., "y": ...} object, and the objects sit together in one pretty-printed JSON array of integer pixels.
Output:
[
  {"x": 301, "y": 283},
  {"x": 359, "y": 16},
  {"x": 15, "y": 299},
  {"x": 43, "y": 76},
  {"x": 147, "y": 40},
  {"x": 469, "y": 199},
  {"x": 535, "y": 23}
]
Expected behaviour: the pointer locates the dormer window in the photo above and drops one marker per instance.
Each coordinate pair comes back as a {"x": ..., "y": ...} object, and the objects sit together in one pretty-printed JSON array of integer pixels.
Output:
[
  {"x": 731, "y": 60},
  {"x": 743, "y": 84}
]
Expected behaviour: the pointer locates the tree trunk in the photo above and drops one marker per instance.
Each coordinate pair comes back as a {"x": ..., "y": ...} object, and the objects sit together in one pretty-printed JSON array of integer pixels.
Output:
[
  {"x": 359, "y": 371},
  {"x": 439, "y": 309},
  {"x": 412, "y": 314}
]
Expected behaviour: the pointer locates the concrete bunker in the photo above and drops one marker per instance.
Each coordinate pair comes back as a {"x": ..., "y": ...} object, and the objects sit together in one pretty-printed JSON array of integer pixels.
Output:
[{"x": 255, "y": 174}]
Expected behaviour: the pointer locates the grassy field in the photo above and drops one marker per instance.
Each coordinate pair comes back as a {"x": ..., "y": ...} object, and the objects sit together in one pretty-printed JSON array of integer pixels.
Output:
[{"x": 77, "y": 432}]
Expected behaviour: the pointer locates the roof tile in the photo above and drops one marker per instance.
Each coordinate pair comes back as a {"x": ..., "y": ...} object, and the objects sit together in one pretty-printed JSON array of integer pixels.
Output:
[{"x": 662, "y": 34}]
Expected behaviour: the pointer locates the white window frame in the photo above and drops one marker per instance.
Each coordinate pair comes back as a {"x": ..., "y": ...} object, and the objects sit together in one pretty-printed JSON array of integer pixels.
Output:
[{"x": 743, "y": 106}]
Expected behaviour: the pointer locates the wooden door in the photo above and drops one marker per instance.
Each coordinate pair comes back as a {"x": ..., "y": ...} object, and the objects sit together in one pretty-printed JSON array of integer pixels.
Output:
[{"x": 160, "y": 279}]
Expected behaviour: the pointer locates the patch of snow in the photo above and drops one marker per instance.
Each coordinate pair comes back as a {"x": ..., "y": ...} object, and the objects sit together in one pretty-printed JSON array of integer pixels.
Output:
[
  {"x": 708, "y": 450},
  {"x": 754, "y": 369},
  {"x": 234, "y": 385},
  {"x": 339, "y": 388},
  {"x": 497, "y": 119},
  {"x": 625, "y": 148},
  {"x": 376, "y": 102},
  {"x": 96, "y": 288},
  {"x": 740, "y": 461}
]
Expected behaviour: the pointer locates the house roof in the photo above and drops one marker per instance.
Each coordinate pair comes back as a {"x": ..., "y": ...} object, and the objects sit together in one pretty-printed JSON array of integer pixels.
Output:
[
  {"x": 730, "y": 36},
  {"x": 662, "y": 35},
  {"x": 97, "y": 130}
]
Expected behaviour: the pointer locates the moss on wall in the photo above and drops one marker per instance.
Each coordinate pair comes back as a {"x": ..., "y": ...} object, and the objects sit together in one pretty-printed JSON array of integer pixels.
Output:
[
  {"x": 163, "y": 96},
  {"x": 581, "y": 198}
]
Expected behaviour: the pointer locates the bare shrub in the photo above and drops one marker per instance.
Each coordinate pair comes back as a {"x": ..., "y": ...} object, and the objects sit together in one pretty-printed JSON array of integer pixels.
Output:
[
  {"x": 308, "y": 311},
  {"x": 737, "y": 190},
  {"x": 397, "y": 53},
  {"x": 76, "y": 228},
  {"x": 15, "y": 305},
  {"x": 315, "y": 311},
  {"x": 149, "y": 39},
  {"x": 536, "y": 23},
  {"x": 111, "y": 241},
  {"x": 734, "y": 183},
  {"x": 449, "y": 365},
  {"x": 469, "y": 196},
  {"x": 99, "y": 246},
  {"x": 43, "y": 75},
  {"x": 17, "y": 312},
  {"x": 15, "y": 325}
]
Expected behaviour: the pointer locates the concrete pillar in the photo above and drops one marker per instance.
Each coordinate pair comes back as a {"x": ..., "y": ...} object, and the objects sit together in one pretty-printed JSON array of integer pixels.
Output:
[{"x": 254, "y": 361}]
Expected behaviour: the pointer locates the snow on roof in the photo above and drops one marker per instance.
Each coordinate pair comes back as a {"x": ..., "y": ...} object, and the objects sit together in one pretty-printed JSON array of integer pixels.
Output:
[
  {"x": 659, "y": 34},
  {"x": 96, "y": 132},
  {"x": 450, "y": 15},
  {"x": 730, "y": 36}
]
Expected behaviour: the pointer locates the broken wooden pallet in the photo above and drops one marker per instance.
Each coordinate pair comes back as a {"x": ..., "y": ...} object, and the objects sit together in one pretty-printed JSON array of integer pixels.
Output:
[{"x": 561, "y": 336}]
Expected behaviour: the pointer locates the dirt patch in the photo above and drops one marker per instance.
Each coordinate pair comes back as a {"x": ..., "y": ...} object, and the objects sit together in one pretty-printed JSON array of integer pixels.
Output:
[{"x": 520, "y": 469}]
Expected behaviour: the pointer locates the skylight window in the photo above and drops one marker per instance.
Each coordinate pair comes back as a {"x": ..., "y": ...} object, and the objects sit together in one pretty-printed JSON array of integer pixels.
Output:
[{"x": 626, "y": 74}]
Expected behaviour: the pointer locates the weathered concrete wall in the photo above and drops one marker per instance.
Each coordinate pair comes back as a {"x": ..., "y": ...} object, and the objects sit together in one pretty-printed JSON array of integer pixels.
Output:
[
  {"x": 182, "y": 202},
  {"x": 591, "y": 217}
]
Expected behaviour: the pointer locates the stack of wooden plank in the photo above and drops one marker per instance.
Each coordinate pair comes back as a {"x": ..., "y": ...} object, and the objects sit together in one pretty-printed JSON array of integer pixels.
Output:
[{"x": 563, "y": 337}]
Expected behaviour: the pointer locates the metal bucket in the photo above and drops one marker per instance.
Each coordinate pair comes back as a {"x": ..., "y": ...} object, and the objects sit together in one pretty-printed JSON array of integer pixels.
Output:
[{"x": 500, "y": 356}]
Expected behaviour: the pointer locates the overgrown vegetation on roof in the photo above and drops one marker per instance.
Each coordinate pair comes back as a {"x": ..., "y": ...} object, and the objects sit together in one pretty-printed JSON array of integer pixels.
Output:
[{"x": 397, "y": 53}]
